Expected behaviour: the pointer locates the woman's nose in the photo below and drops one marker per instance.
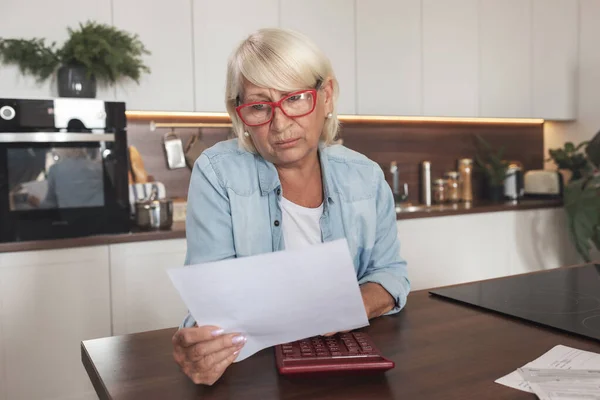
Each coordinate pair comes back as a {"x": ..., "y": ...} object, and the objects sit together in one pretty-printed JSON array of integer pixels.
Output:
[{"x": 280, "y": 120}]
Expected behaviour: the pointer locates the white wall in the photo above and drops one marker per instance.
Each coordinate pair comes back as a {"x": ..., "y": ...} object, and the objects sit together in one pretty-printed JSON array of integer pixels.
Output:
[{"x": 588, "y": 109}]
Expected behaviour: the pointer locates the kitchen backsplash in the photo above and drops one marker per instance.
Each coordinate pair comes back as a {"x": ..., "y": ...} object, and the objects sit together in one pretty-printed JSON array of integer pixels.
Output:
[{"x": 408, "y": 144}]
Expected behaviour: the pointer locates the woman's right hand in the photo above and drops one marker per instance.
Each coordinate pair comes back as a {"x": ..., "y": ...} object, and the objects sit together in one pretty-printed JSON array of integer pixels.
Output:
[{"x": 204, "y": 352}]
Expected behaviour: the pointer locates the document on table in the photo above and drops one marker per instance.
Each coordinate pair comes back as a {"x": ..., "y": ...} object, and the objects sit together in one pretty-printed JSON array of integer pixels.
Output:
[
  {"x": 278, "y": 297},
  {"x": 563, "y": 384},
  {"x": 557, "y": 373}
]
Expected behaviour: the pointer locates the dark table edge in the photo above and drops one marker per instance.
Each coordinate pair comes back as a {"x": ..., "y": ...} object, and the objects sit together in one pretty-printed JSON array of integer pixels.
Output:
[
  {"x": 99, "y": 387},
  {"x": 178, "y": 229}
]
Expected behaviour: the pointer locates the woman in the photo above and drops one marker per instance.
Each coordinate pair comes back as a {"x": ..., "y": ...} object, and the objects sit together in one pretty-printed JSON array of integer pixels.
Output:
[{"x": 283, "y": 184}]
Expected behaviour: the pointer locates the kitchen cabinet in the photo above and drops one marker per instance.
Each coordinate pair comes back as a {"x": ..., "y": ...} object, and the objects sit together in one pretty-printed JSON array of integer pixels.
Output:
[
  {"x": 51, "y": 300},
  {"x": 331, "y": 25},
  {"x": 555, "y": 39},
  {"x": 218, "y": 28},
  {"x": 165, "y": 28},
  {"x": 450, "y": 58},
  {"x": 45, "y": 19},
  {"x": 143, "y": 297},
  {"x": 505, "y": 58},
  {"x": 539, "y": 239},
  {"x": 450, "y": 250},
  {"x": 388, "y": 57}
]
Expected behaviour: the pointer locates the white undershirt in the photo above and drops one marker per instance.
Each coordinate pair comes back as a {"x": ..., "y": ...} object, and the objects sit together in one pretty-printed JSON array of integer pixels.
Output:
[{"x": 300, "y": 225}]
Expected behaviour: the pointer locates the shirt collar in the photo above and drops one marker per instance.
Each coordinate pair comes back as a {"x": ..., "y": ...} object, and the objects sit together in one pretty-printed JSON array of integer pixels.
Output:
[{"x": 268, "y": 179}]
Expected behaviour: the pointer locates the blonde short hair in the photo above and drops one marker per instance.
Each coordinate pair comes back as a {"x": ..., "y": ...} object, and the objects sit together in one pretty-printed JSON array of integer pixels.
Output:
[{"x": 279, "y": 59}]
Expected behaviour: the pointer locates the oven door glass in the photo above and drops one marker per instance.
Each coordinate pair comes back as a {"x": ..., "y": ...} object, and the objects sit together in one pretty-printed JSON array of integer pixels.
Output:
[
  {"x": 62, "y": 184},
  {"x": 42, "y": 178}
]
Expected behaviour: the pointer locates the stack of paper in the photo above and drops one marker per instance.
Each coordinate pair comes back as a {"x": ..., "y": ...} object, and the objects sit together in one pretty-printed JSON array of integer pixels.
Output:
[{"x": 563, "y": 373}]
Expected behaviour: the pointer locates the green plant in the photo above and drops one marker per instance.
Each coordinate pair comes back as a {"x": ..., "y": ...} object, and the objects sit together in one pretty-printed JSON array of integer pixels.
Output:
[
  {"x": 490, "y": 162},
  {"x": 582, "y": 202},
  {"x": 570, "y": 157},
  {"x": 106, "y": 52}
]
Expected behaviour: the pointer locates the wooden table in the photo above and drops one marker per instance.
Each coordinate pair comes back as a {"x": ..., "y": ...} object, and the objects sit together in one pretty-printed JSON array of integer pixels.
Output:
[{"x": 442, "y": 350}]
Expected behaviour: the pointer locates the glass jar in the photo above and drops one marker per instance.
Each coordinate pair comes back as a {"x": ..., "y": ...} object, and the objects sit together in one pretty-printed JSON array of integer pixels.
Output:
[
  {"x": 465, "y": 180},
  {"x": 439, "y": 191},
  {"x": 452, "y": 186}
]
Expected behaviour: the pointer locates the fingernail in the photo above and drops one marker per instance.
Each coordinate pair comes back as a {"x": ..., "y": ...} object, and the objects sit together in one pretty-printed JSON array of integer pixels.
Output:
[
  {"x": 217, "y": 332},
  {"x": 238, "y": 340},
  {"x": 235, "y": 353}
]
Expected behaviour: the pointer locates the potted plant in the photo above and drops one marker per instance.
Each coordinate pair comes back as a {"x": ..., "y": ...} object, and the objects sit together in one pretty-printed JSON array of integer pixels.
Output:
[
  {"x": 94, "y": 52},
  {"x": 582, "y": 201},
  {"x": 571, "y": 160},
  {"x": 493, "y": 167}
]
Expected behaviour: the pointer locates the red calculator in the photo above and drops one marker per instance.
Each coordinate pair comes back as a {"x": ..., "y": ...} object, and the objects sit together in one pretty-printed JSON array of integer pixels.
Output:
[{"x": 343, "y": 352}]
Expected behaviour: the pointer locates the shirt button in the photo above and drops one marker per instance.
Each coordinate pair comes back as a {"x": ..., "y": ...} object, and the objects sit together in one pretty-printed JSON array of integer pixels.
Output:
[
  {"x": 276, "y": 222},
  {"x": 278, "y": 192}
]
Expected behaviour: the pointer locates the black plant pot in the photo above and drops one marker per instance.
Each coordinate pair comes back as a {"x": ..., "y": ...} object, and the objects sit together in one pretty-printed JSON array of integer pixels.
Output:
[
  {"x": 496, "y": 193},
  {"x": 73, "y": 81}
]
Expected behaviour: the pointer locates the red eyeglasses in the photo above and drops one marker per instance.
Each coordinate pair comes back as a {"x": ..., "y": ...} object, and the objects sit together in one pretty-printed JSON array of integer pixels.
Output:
[{"x": 294, "y": 105}]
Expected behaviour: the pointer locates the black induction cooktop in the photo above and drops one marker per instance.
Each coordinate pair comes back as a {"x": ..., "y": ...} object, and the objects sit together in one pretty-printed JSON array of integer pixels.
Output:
[{"x": 565, "y": 298}]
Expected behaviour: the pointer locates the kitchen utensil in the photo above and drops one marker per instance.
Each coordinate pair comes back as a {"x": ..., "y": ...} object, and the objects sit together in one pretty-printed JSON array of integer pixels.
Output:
[
  {"x": 154, "y": 213},
  {"x": 174, "y": 150}
]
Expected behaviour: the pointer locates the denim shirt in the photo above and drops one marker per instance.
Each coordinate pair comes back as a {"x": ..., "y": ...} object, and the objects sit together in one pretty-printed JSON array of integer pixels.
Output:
[{"x": 233, "y": 211}]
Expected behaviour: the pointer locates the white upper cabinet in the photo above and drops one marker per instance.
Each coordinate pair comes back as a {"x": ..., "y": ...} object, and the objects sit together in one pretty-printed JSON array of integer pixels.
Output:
[
  {"x": 29, "y": 19},
  {"x": 555, "y": 58},
  {"x": 218, "y": 28},
  {"x": 505, "y": 58},
  {"x": 165, "y": 28},
  {"x": 450, "y": 58},
  {"x": 388, "y": 51},
  {"x": 331, "y": 25}
]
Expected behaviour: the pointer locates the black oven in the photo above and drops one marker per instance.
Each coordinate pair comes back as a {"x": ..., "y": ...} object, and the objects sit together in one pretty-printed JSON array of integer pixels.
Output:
[{"x": 63, "y": 168}]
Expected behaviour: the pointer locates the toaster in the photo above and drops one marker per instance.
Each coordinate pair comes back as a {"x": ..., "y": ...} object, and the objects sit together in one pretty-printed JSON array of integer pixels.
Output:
[{"x": 543, "y": 184}]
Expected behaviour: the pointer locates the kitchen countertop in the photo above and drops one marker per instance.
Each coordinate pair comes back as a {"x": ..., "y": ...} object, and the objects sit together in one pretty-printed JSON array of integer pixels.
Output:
[
  {"x": 177, "y": 231},
  {"x": 420, "y": 211}
]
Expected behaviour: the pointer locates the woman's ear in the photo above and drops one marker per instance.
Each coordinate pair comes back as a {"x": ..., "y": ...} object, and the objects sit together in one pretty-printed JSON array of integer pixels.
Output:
[{"x": 328, "y": 95}]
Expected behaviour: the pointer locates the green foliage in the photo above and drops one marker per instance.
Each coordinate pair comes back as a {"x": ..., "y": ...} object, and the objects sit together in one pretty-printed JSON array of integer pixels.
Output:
[
  {"x": 32, "y": 56},
  {"x": 490, "y": 162},
  {"x": 582, "y": 202},
  {"x": 571, "y": 157},
  {"x": 106, "y": 52}
]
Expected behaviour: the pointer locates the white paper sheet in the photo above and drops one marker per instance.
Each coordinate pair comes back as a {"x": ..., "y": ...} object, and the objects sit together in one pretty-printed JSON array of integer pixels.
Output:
[
  {"x": 559, "y": 357},
  {"x": 563, "y": 384},
  {"x": 566, "y": 390},
  {"x": 276, "y": 297}
]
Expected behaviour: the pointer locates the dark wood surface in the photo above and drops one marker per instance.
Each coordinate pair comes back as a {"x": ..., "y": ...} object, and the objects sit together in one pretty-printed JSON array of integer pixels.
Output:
[
  {"x": 407, "y": 143},
  {"x": 442, "y": 350},
  {"x": 177, "y": 231}
]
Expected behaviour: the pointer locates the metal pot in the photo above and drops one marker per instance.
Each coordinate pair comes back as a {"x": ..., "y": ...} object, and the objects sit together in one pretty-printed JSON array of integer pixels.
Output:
[{"x": 154, "y": 213}]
